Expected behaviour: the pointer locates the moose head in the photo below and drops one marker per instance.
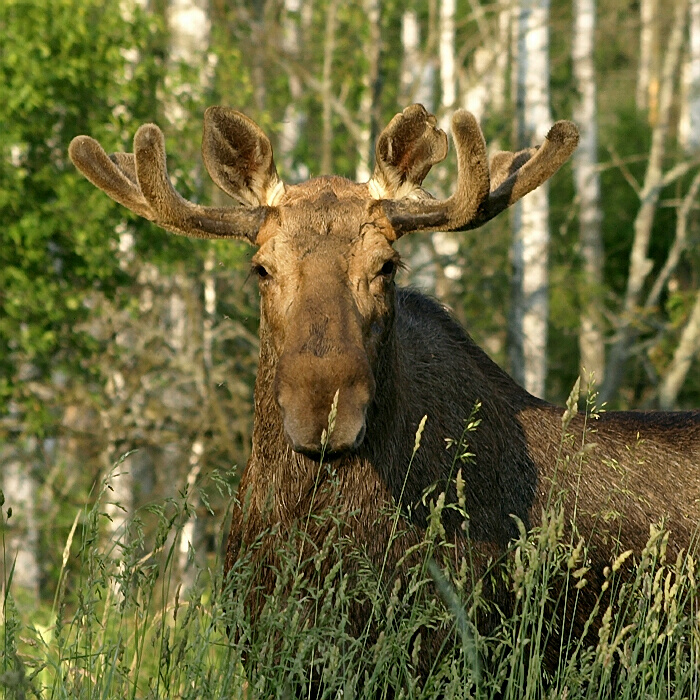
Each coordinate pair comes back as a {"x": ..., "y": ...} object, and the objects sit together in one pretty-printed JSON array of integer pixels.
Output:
[{"x": 325, "y": 256}]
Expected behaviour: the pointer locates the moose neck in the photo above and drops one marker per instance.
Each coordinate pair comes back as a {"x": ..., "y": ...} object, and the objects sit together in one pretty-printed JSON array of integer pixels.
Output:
[{"x": 424, "y": 351}]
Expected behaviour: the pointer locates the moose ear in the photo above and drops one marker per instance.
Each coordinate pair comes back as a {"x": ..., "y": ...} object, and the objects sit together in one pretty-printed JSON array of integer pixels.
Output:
[
  {"x": 239, "y": 158},
  {"x": 406, "y": 150}
]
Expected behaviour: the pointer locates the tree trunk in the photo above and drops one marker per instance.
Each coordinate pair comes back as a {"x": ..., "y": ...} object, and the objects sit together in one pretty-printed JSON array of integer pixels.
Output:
[
  {"x": 647, "y": 84},
  {"x": 327, "y": 88},
  {"x": 19, "y": 488},
  {"x": 640, "y": 264},
  {"x": 370, "y": 92},
  {"x": 293, "y": 121},
  {"x": 587, "y": 179},
  {"x": 689, "y": 126},
  {"x": 529, "y": 308},
  {"x": 688, "y": 348},
  {"x": 190, "y": 29},
  {"x": 417, "y": 69},
  {"x": 448, "y": 73}
]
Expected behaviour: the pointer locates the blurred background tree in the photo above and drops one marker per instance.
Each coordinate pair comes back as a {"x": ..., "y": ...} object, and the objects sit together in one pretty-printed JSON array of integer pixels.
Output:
[{"x": 118, "y": 338}]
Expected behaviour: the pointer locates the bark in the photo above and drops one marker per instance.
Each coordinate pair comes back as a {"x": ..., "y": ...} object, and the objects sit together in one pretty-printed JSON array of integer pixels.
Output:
[
  {"x": 327, "y": 88},
  {"x": 369, "y": 103},
  {"x": 529, "y": 308},
  {"x": 191, "y": 554},
  {"x": 448, "y": 72},
  {"x": 190, "y": 29},
  {"x": 485, "y": 79},
  {"x": 647, "y": 84},
  {"x": 688, "y": 348},
  {"x": 293, "y": 121},
  {"x": 640, "y": 264},
  {"x": 20, "y": 488},
  {"x": 689, "y": 126},
  {"x": 587, "y": 180},
  {"x": 417, "y": 68},
  {"x": 418, "y": 85}
]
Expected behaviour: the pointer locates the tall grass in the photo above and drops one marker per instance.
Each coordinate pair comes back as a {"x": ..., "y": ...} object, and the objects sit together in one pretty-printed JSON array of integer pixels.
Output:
[{"x": 121, "y": 627}]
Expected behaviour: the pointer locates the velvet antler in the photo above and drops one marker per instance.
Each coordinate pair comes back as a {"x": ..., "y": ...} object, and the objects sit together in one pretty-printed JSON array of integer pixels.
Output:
[
  {"x": 479, "y": 196},
  {"x": 406, "y": 150},
  {"x": 140, "y": 182}
]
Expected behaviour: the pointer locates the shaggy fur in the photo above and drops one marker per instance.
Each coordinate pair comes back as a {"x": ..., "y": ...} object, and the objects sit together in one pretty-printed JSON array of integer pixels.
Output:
[{"x": 334, "y": 328}]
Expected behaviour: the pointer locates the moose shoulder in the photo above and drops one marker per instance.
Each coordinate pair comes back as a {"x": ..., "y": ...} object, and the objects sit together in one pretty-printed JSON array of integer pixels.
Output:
[{"x": 336, "y": 331}]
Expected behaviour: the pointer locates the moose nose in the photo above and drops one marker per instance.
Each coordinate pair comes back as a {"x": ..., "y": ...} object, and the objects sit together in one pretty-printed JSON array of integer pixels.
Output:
[
  {"x": 329, "y": 449},
  {"x": 324, "y": 402}
]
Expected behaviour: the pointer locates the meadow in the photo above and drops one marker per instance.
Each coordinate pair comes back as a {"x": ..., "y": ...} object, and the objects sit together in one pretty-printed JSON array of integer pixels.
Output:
[{"x": 121, "y": 626}]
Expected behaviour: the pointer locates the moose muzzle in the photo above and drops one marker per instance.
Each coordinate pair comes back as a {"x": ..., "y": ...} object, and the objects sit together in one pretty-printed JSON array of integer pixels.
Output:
[{"x": 305, "y": 389}]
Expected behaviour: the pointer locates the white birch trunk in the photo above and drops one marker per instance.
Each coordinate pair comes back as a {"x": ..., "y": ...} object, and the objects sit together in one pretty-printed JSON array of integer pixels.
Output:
[
  {"x": 448, "y": 72},
  {"x": 417, "y": 85},
  {"x": 689, "y": 123},
  {"x": 587, "y": 180},
  {"x": 191, "y": 546},
  {"x": 446, "y": 245},
  {"x": 648, "y": 17},
  {"x": 417, "y": 70},
  {"x": 191, "y": 555},
  {"x": 484, "y": 83},
  {"x": 531, "y": 217},
  {"x": 687, "y": 350},
  {"x": 640, "y": 264},
  {"x": 293, "y": 121},
  {"x": 19, "y": 488},
  {"x": 498, "y": 83},
  {"x": 365, "y": 150},
  {"x": 327, "y": 88},
  {"x": 190, "y": 29}
]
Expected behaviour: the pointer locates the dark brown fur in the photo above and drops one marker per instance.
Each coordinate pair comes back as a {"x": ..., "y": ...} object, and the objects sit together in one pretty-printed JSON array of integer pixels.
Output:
[
  {"x": 643, "y": 467},
  {"x": 333, "y": 324}
]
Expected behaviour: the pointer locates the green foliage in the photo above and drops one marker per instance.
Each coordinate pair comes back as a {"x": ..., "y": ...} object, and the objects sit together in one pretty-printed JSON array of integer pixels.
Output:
[{"x": 60, "y": 77}]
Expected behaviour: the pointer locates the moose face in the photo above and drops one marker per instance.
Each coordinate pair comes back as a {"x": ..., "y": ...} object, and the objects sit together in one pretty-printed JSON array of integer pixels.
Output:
[{"x": 326, "y": 275}]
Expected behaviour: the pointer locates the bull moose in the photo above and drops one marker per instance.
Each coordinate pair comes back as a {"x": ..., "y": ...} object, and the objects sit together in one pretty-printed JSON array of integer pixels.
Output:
[{"x": 336, "y": 332}]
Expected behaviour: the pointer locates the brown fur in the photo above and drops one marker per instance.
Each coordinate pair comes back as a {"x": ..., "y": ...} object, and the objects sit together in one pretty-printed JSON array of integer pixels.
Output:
[{"x": 333, "y": 324}]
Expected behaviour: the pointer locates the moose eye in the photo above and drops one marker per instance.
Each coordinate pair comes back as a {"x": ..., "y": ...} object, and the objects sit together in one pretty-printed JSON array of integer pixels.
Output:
[
  {"x": 388, "y": 268},
  {"x": 261, "y": 271}
]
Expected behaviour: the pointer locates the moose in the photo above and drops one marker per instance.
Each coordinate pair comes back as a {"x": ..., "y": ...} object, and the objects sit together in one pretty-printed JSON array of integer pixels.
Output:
[{"x": 337, "y": 335}]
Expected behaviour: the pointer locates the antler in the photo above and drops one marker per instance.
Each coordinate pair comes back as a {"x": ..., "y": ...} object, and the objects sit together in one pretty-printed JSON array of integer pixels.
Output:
[
  {"x": 406, "y": 150},
  {"x": 140, "y": 182},
  {"x": 479, "y": 195}
]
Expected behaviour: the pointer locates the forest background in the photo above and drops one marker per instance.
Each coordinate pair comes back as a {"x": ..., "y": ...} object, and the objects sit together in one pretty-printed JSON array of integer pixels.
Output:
[{"x": 117, "y": 338}]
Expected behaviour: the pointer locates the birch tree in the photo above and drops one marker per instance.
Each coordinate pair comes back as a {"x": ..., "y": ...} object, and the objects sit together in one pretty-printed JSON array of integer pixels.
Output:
[
  {"x": 654, "y": 180},
  {"x": 529, "y": 304},
  {"x": 19, "y": 487},
  {"x": 370, "y": 92},
  {"x": 484, "y": 82},
  {"x": 417, "y": 67},
  {"x": 587, "y": 179},
  {"x": 448, "y": 71},
  {"x": 293, "y": 120},
  {"x": 327, "y": 87},
  {"x": 689, "y": 124},
  {"x": 418, "y": 84},
  {"x": 647, "y": 84}
]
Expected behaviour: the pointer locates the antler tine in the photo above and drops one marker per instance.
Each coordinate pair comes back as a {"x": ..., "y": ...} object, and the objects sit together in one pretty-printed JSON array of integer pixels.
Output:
[
  {"x": 530, "y": 169},
  {"x": 476, "y": 200},
  {"x": 140, "y": 182},
  {"x": 472, "y": 187},
  {"x": 115, "y": 175},
  {"x": 173, "y": 211},
  {"x": 406, "y": 150}
]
